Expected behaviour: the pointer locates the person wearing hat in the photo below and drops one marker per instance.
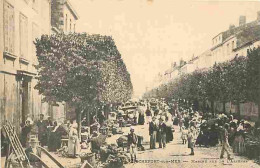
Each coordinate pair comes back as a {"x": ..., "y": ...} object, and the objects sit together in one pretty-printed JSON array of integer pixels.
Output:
[
  {"x": 49, "y": 122},
  {"x": 42, "y": 130},
  {"x": 95, "y": 143},
  {"x": 84, "y": 122},
  {"x": 184, "y": 135},
  {"x": 191, "y": 139},
  {"x": 102, "y": 118},
  {"x": 162, "y": 133},
  {"x": 25, "y": 132},
  {"x": 239, "y": 140},
  {"x": 73, "y": 143},
  {"x": 34, "y": 161},
  {"x": 132, "y": 144},
  {"x": 224, "y": 140},
  {"x": 56, "y": 136},
  {"x": 152, "y": 132},
  {"x": 148, "y": 114}
]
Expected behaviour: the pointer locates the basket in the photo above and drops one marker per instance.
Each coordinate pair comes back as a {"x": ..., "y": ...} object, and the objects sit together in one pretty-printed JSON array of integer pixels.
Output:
[{"x": 90, "y": 157}]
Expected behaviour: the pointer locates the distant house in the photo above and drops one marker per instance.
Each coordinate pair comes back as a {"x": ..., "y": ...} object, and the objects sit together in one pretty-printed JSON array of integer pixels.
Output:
[{"x": 63, "y": 16}]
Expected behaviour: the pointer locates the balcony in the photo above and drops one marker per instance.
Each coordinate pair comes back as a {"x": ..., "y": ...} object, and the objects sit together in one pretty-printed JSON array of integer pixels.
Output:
[
  {"x": 9, "y": 56},
  {"x": 23, "y": 61}
]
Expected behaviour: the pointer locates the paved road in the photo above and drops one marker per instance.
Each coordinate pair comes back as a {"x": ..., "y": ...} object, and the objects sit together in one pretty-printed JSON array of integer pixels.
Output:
[{"x": 177, "y": 155}]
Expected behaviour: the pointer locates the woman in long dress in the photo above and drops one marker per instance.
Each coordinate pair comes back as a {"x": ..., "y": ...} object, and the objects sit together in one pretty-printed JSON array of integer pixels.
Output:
[
  {"x": 148, "y": 114},
  {"x": 191, "y": 139},
  {"x": 239, "y": 141},
  {"x": 25, "y": 133},
  {"x": 55, "y": 137},
  {"x": 73, "y": 144},
  {"x": 169, "y": 126}
]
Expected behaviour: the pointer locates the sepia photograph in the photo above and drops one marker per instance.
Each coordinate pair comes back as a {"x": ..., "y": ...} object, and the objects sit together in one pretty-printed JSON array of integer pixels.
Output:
[{"x": 130, "y": 83}]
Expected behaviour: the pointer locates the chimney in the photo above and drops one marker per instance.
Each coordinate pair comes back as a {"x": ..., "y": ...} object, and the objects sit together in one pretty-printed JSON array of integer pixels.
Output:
[
  {"x": 258, "y": 16},
  {"x": 242, "y": 20},
  {"x": 231, "y": 27}
]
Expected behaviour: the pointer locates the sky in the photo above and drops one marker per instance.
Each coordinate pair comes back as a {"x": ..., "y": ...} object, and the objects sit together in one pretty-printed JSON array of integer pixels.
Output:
[{"x": 152, "y": 34}]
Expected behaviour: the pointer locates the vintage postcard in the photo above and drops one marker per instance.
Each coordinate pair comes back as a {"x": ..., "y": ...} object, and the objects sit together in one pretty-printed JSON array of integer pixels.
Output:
[{"x": 130, "y": 83}]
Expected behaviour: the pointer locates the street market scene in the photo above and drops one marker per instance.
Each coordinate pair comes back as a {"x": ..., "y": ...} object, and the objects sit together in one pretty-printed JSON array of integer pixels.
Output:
[{"x": 129, "y": 84}]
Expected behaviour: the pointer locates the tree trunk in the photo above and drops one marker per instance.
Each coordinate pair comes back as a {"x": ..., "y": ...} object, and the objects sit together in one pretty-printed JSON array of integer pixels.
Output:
[
  {"x": 204, "y": 106},
  {"x": 88, "y": 118},
  {"x": 224, "y": 107},
  {"x": 238, "y": 109},
  {"x": 259, "y": 109},
  {"x": 79, "y": 113},
  {"x": 258, "y": 98},
  {"x": 212, "y": 107}
]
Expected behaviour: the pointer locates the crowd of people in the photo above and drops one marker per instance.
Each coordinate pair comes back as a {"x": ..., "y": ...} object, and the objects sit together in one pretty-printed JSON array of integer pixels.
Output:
[
  {"x": 50, "y": 133},
  {"x": 196, "y": 128},
  {"x": 199, "y": 128},
  {"x": 160, "y": 124},
  {"x": 161, "y": 127}
]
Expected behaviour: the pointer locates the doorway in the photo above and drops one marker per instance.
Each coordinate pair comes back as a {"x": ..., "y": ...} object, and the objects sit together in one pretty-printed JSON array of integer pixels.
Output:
[{"x": 25, "y": 100}]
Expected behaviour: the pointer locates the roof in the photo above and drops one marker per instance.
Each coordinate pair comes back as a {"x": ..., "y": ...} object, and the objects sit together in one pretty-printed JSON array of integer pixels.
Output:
[
  {"x": 73, "y": 11},
  {"x": 247, "y": 44},
  {"x": 227, "y": 33},
  {"x": 217, "y": 35},
  {"x": 223, "y": 42}
]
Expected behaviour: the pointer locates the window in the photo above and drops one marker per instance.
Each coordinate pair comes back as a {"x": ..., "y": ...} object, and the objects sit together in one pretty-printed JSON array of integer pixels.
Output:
[
  {"x": 23, "y": 35},
  {"x": 70, "y": 25},
  {"x": 66, "y": 22},
  {"x": 35, "y": 34},
  {"x": 8, "y": 28},
  {"x": 228, "y": 49},
  {"x": 233, "y": 45}
]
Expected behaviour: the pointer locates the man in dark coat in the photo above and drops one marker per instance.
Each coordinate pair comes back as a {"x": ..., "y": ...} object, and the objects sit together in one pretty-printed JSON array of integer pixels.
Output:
[
  {"x": 42, "y": 131},
  {"x": 224, "y": 140},
  {"x": 148, "y": 115},
  {"x": 152, "y": 133},
  {"x": 132, "y": 144},
  {"x": 49, "y": 121},
  {"x": 102, "y": 118},
  {"x": 34, "y": 161},
  {"x": 26, "y": 128},
  {"x": 162, "y": 133}
]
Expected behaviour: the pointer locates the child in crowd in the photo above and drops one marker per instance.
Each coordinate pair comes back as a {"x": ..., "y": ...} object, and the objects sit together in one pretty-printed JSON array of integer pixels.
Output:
[{"x": 184, "y": 135}]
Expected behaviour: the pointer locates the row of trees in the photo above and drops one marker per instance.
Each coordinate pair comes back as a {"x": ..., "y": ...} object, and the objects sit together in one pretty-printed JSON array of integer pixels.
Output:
[
  {"x": 83, "y": 70},
  {"x": 236, "y": 81}
]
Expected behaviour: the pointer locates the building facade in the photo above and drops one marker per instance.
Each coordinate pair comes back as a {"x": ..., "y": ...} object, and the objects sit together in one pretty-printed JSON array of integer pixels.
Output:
[
  {"x": 63, "y": 17},
  {"x": 63, "y": 20},
  {"x": 22, "y": 21},
  {"x": 236, "y": 41}
]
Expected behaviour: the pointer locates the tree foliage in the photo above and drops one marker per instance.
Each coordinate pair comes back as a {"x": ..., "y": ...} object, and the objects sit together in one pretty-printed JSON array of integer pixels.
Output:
[
  {"x": 237, "y": 80},
  {"x": 81, "y": 69},
  {"x": 253, "y": 75}
]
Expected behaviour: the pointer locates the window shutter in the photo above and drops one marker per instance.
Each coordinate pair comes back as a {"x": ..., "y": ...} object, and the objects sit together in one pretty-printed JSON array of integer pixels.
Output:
[
  {"x": 11, "y": 29},
  {"x": 8, "y": 28},
  {"x": 23, "y": 36},
  {"x": 6, "y": 25}
]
